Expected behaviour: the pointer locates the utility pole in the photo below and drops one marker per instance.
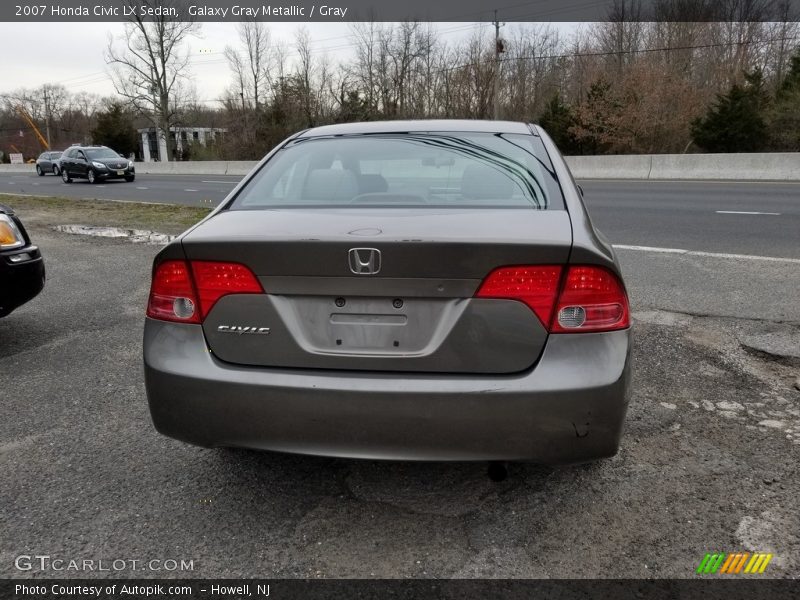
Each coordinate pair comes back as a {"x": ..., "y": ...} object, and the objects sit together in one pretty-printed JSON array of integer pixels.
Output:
[
  {"x": 47, "y": 117},
  {"x": 498, "y": 49}
]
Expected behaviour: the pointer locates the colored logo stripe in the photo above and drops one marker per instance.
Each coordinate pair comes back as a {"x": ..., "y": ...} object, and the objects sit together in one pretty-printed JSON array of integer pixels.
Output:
[
  {"x": 734, "y": 563},
  {"x": 758, "y": 563},
  {"x": 711, "y": 562}
]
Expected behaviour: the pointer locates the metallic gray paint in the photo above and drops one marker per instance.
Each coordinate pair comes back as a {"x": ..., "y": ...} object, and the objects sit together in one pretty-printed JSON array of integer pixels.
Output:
[
  {"x": 442, "y": 335},
  {"x": 414, "y": 243},
  {"x": 570, "y": 408}
]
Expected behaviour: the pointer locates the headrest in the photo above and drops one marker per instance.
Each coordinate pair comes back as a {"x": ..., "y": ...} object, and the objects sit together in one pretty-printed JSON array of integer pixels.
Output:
[
  {"x": 372, "y": 183},
  {"x": 481, "y": 181},
  {"x": 330, "y": 184}
]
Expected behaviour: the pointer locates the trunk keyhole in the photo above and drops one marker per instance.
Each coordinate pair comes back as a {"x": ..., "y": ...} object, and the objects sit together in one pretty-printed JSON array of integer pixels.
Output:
[
  {"x": 397, "y": 303},
  {"x": 339, "y": 302}
]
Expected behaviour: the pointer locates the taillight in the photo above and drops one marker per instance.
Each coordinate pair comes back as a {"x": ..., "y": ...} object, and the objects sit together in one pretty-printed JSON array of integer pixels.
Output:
[
  {"x": 536, "y": 286},
  {"x": 217, "y": 279},
  {"x": 185, "y": 291},
  {"x": 592, "y": 298},
  {"x": 172, "y": 296}
]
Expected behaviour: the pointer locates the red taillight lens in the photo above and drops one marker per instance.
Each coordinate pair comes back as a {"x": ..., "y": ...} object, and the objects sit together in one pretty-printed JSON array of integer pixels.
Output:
[
  {"x": 217, "y": 279},
  {"x": 185, "y": 291},
  {"x": 536, "y": 286},
  {"x": 172, "y": 296},
  {"x": 593, "y": 299}
]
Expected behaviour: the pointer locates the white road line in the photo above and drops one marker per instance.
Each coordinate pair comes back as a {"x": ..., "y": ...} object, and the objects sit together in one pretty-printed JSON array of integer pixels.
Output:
[
  {"x": 142, "y": 188},
  {"x": 707, "y": 254},
  {"x": 744, "y": 212},
  {"x": 212, "y": 181},
  {"x": 189, "y": 190}
]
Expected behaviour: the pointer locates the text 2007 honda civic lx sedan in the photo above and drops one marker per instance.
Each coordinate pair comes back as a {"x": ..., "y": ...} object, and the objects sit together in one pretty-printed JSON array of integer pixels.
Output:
[{"x": 423, "y": 290}]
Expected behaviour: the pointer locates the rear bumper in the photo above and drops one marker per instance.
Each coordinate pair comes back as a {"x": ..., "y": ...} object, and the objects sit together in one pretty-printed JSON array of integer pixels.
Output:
[
  {"x": 20, "y": 281},
  {"x": 570, "y": 408}
]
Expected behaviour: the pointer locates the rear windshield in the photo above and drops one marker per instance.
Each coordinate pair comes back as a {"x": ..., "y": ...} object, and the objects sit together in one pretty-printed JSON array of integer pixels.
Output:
[{"x": 413, "y": 169}]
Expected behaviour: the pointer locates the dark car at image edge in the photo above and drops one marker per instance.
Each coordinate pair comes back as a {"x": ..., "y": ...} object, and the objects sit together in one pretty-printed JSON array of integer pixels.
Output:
[
  {"x": 412, "y": 290},
  {"x": 22, "y": 273},
  {"x": 95, "y": 163}
]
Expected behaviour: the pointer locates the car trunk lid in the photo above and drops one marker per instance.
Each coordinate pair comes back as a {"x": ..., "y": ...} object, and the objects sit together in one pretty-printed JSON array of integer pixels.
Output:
[{"x": 404, "y": 303}]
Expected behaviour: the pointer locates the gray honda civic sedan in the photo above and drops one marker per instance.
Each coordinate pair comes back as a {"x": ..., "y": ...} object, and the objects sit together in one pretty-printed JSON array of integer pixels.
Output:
[{"x": 414, "y": 290}]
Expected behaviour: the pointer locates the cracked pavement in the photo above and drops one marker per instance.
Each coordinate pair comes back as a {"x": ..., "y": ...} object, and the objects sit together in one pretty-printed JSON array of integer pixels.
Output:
[{"x": 708, "y": 459}]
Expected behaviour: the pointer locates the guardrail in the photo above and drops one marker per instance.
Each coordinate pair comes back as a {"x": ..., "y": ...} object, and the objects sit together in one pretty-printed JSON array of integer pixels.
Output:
[{"x": 778, "y": 166}]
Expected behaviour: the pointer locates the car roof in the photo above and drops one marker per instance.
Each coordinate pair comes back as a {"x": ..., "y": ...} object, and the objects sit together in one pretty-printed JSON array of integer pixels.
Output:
[{"x": 461, "y": 125}]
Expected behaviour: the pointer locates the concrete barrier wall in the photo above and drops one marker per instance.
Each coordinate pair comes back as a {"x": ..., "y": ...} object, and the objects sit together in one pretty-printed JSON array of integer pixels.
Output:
[
  {"x": 779, "y": 166},
  {"x": 609, "y": 167}
]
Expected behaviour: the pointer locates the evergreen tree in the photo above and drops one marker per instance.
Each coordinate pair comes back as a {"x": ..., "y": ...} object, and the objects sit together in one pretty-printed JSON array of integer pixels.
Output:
[
  {"x": 735, "y": 122},
  {"x": 557, "y": 119},
  {"x": 115, "y": 129},
  {"x": 783, "y": 119}
]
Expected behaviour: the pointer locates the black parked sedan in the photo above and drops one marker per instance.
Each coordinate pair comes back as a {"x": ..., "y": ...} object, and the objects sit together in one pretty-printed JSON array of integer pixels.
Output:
[
  {"x": 21, "y": 263},
  {"x": 95, "y": 163},
  {"x": 48, "y": 163}
]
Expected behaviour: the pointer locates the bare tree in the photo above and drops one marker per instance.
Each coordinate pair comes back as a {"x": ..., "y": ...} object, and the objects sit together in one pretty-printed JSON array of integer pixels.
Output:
[
  {"x": 251, "y": 67},
  {"x": 150, "y": 69}
]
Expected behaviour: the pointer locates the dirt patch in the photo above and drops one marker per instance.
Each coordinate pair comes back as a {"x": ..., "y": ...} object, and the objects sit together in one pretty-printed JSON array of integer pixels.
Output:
[{"x": 37, "y": 213}]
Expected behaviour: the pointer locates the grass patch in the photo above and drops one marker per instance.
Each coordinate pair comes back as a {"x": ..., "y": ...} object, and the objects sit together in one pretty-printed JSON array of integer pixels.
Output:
[{"x": 47, "y": 212}]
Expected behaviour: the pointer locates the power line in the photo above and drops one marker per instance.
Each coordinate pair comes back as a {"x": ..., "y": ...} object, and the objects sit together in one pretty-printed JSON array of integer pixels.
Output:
[{"x": 618, "y": 52}]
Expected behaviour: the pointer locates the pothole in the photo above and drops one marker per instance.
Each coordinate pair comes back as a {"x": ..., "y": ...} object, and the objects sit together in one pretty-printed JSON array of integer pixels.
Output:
[{"x": 783, "y": 346}]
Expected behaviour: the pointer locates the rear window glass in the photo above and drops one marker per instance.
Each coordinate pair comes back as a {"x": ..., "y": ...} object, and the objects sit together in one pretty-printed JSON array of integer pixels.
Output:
[{"x": 413, "y": 169}]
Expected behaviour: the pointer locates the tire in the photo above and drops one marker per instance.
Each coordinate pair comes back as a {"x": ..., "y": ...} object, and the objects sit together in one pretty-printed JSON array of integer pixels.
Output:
[
  {"x": 39, "y": 171},
  {"x": 90, "y": 175},
  {"x": 65, "y": 176},
  {"x": 56, "y": 171},
  {"x": 130, "y": 178}
]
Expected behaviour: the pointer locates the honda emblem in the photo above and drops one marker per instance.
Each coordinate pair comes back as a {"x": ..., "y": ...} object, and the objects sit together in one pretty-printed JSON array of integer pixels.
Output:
[{"x": 364, "y": 261}]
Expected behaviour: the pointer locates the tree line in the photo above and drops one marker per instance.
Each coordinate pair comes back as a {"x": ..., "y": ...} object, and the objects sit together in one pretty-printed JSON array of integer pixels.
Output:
[{"x": 620, "y": 86}]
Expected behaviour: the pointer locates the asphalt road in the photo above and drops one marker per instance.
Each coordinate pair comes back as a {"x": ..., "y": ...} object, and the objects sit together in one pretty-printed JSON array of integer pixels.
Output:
[
  {"x": 705, "y": 216},
  {"x": 708, "y": 461},
  {"x": 702, "y": 215}
]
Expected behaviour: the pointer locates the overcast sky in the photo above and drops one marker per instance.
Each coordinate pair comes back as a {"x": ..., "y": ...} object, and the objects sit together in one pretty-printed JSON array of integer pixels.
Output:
[{"x": 73, "y": 53}]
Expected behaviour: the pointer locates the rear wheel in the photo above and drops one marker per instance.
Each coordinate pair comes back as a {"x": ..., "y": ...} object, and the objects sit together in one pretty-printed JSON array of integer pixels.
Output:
[
  {"x": 130, "y": 178},
  {"x": 90, "y": 175},
  {"x": 39, "y": 171},
  {"x": 65, "y": 176},
  {"x": 55, "y": 170}
]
